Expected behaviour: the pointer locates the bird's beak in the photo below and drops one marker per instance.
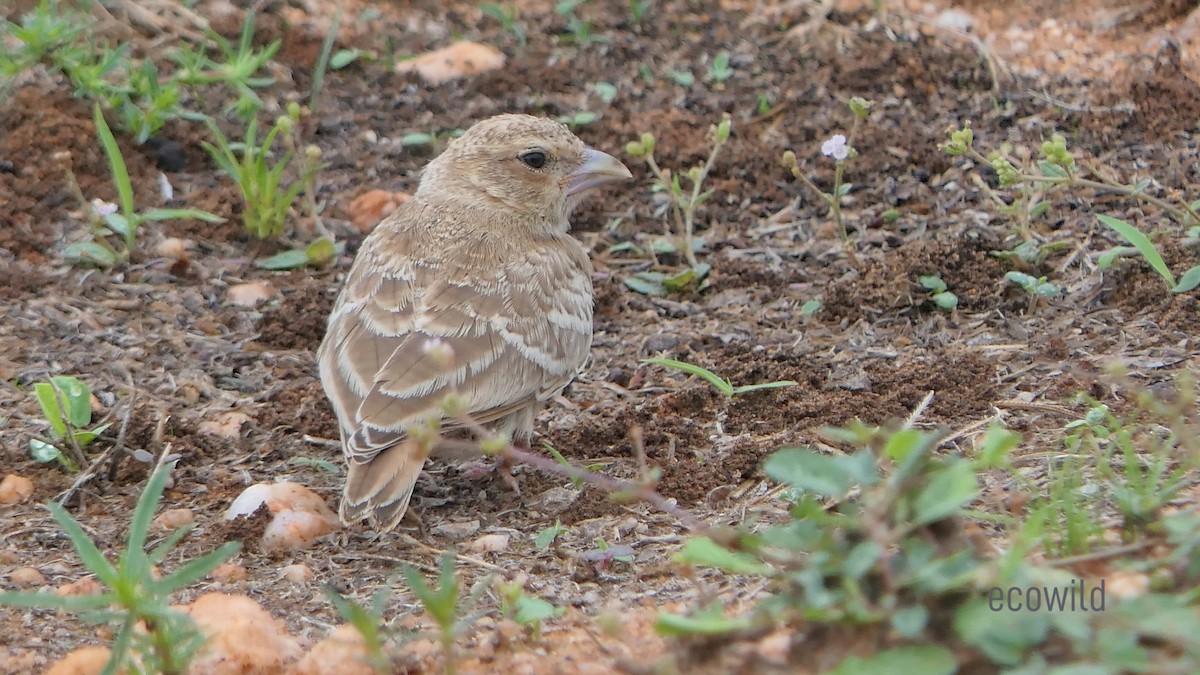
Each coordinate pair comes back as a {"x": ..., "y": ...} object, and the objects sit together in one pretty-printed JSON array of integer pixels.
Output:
[{"x": 597, "y": 169}]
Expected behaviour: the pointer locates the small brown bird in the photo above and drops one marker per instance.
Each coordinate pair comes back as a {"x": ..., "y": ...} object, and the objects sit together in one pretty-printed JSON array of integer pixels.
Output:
[{"x": 473, "y": 287}]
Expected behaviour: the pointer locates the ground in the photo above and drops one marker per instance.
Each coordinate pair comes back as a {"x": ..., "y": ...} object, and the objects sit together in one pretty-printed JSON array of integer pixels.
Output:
[{"x": 165, "y": 351}]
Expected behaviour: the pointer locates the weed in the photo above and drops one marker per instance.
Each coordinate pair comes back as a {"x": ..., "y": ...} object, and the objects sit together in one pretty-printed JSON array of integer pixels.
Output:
[
  {"x": 317, "y": 254},
  {"x": 580, "y": 31},
  {"x": 841, "y": 149},
  {"x": 1035, "y": 287},
  {"x": 579, "y": 119},
  {"x": 722, "y": 385},
  {"x": 368, "y": 621},
  {"x": 638, "y": 9},
  {"x": 121, "y": 219},
  {"x": 683, "y": 204},
  {"x": 683, "y": 78},
  {"x": 267, "y": 199},
  {"x": 441, "y": 603},
  {"x": 66, "y": 403},
  {"x": 720, "y": 71},
  {"x": 136, "y": 599},
  {"x": 237, "y": 67},
  {"x": 1055, "y": 168},
  {"x": 875, "y": 538},
  {"x": 507, "y": 18},
  {"x": 546, "y": 537},
  {"x": 527, "y": 610},
  {"x": 941, "y": 297}
]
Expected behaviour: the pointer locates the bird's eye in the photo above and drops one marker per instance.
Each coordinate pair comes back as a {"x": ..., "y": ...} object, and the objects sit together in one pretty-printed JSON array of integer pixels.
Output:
[{"x": 534, "y": 159}]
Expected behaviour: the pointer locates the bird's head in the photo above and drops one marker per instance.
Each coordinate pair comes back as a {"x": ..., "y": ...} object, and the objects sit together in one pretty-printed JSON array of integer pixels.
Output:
[{"x": 531, "y": 167}]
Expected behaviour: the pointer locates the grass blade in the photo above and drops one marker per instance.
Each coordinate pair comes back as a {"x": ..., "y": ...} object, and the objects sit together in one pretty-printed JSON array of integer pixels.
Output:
[{"x": 1142, "y": 243}]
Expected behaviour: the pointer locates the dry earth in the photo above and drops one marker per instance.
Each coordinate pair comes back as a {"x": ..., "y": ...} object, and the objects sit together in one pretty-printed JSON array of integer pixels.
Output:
[{"x": 164, "y": 350}]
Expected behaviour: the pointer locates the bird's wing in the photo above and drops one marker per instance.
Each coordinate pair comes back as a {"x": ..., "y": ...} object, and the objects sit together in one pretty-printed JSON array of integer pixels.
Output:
[{"x": 514, "y": 335}]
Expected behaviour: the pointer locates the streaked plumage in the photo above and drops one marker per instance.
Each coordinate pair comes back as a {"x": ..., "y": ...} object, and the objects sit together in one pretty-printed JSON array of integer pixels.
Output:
[{"x": 478, "y": 266}]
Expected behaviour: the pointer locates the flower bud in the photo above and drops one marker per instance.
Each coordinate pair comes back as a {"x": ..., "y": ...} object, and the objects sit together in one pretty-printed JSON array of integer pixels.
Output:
[{"x": 723, "y": 129}]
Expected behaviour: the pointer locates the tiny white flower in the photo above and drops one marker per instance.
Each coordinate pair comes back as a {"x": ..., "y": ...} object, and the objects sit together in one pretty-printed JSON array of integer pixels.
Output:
[
  {"x": 103, "y": 208},
  {"x": 836, "y": 147}
]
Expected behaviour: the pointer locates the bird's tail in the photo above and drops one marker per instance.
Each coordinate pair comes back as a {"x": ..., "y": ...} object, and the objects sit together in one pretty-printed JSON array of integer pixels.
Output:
[{"x": 379, "y": 490}]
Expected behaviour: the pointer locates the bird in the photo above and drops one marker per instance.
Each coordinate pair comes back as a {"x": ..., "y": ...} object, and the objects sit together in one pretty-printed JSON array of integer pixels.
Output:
[{"x": 473, "y": 288}]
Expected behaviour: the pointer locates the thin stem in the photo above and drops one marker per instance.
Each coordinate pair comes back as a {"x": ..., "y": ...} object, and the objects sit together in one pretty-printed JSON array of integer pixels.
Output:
[
  {"x": 639, "y": 491},
  {"x": 1179, "y": 215}
]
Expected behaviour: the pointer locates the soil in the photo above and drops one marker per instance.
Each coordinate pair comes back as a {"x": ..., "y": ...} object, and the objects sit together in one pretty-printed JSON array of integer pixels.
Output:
[{"x": 164, "y": 351}]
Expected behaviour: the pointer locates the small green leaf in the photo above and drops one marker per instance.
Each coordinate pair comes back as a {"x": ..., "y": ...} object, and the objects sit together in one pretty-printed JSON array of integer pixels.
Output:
[
  {"x": 48, "y": 400},
  {"x": 344, "y": 57},
  {"x": 418, "y": 138},
  {"x": 946, "y": 300},
  {"x": 908, "y": 622},
  {"x": 810, "y": 307},
  {"x": 705, "y": 374},
  {"x": 704, "y": 552},
  {"x": 548, "y": 535},
  {"x": 861, "y": 559},
  {"x": 924, "y": 659},
  {"x": 902, "y": 444},
  {"x": 1142, "y": 243},
  {"x": 89, "y": 252},
  {"x": 78, "y": 400},
  {"x": 286, "y": 260},
  {"x": 119, "y": 224},
  {"x": 43, "y": 452},
  {"x": 1189, "y": 280},
  {"x": 1106, "y": 259},
  {"x": 809, "y": 471},
  {"x": 947, "y": 492},
  {"x": 639, "y": 283},
  {"x": 178, "y": 214},
  {"x": 998, "y": 442},
  {"x": 320, "y": 251},
  {"x": 709, "y": 621},
  {"x": 932, "y": 282},
  {"x": 1051, "y": 170},
  {"x": 683, "y": 78},
  {"x": 605, "y": 91},
  {"x": 532, "y": 609}
]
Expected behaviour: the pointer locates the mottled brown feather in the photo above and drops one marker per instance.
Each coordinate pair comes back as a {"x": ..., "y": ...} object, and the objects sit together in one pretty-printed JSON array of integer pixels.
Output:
[{"x": 479, "y": 262}]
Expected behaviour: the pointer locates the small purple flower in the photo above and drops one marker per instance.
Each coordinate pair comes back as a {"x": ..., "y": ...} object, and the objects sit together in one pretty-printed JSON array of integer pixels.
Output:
[
  {"x": 103, "y": 208},
  {"x": 836, "y": 147}
]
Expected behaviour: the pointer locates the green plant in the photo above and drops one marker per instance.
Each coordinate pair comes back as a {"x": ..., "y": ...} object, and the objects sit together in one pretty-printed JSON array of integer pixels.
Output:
[
  {"x": 875, "y": 537},
  {"x": 637, "y": 10},
  {"x": 136, "y": 599},
  {"x": 237, "y": 67},
  {"x": 580, "y": 31},
  {"x": 1143, "y": 245},
  {"x": 941, "y": 297},
  {"x": 720, "y": 71},
  {"x": 1055, "y": 168},
  {"x": 1036, "y": 287},
  {"x": 319, "y": 253},
  {"x": 261, "y": 180},
  {"x": 527, "y": 610},
  {"x": 507, "y": 18},
  {"x": 121, "y": 219},
  {"x": 684, "y": 204},
  {"x": 722, "y": 385},
  {"x": 422, "y": 138},
  {"x": 579, "y": 119},
  {"x": 66, "y": 403},
  {"x": 841, "y": 149},
  {"x": 547, "y": 535},
  {"x": 441, "y": 603},
  {"x": 368, "y": 621}
]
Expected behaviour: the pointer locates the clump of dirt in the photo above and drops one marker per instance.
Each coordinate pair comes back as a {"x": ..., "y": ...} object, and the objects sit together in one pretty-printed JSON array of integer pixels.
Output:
[{"x": 298, "y": 320}]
